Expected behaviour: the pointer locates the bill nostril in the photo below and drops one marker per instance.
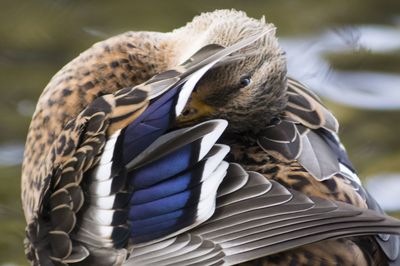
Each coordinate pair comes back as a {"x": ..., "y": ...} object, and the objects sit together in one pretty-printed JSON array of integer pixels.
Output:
[
  {"x": 186, "y": 112},
  {"x": 189, "y": 111}
]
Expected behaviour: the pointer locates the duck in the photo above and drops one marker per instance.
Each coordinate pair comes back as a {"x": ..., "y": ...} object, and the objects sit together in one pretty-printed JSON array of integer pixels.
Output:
[{"x": 193, "y": 147}]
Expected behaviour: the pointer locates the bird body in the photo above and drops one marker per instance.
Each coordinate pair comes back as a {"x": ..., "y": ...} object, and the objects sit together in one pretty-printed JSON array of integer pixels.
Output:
[
  {"x": 120, "y": 62},
  {"x": 339, "y": 186},
  {"x": 122, "y": 163}
]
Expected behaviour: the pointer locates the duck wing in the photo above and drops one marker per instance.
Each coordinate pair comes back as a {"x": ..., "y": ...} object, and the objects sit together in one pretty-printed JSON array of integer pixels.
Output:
[
  {"x": 307, "y": 133},
  {"x": 254, "y": 218},
  {"x": 90, "y": 139}
]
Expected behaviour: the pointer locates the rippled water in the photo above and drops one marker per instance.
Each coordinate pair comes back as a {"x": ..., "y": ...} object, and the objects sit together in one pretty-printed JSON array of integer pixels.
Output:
[
  {"x": 347, "y": 51},
  {"x": 385, "y": 189},
  {"x": 363, "y": 89},
  {"x": 11, "y": 154}
]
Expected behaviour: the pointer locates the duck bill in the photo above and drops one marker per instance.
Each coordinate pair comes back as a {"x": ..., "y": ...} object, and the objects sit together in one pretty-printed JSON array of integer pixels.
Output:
[{"x": 195, "y": 111}]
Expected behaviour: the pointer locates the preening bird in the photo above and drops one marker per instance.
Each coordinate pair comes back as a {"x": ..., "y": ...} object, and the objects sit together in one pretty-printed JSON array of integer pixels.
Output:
[{"x": 193, "y": 148}]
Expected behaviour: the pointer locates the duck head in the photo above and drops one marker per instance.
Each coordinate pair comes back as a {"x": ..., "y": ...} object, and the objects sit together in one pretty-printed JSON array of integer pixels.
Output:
[{"x": 248, "y": 88}]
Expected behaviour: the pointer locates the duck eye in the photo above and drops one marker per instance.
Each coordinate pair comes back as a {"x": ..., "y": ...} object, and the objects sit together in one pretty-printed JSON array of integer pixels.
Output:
[{"x": 245, "y": 81}]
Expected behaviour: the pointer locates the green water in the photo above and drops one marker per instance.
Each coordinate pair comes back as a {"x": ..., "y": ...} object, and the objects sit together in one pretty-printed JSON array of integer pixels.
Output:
[{"x": 38, "y": 37}]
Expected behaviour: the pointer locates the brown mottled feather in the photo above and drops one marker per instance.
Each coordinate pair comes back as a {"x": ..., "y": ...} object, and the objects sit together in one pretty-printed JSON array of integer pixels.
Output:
[
  {"x": 81, "y": 106},
  {"x": 122, "y": 61},
  {"x": 328, "y": 253},
  {"x": 306, "y": 108},
  {"x": 289, "y": 172},
  {"x": 293, "y": 175},
  {"x": 85, "y": 103},
  {"x": 74, "y": 152}
]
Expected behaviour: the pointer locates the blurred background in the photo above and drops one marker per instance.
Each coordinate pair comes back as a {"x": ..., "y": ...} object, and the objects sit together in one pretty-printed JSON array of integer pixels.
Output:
[{"x": 347, "y": 51}]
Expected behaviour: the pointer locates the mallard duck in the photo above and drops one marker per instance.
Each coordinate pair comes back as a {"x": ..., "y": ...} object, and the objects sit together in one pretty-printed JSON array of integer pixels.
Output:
[{"x": 122, "y": 164}]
